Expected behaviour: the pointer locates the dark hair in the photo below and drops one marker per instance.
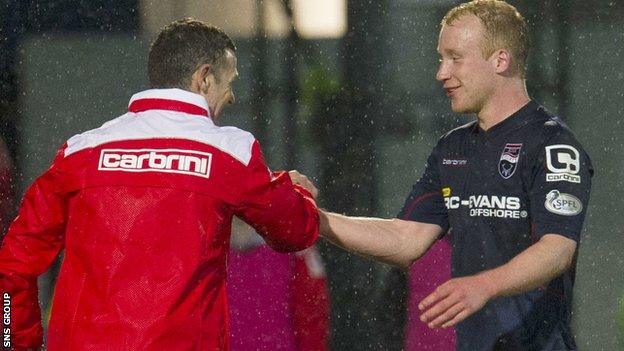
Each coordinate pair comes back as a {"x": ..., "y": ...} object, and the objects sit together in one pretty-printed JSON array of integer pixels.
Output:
[{"x": 180, "y": 48}]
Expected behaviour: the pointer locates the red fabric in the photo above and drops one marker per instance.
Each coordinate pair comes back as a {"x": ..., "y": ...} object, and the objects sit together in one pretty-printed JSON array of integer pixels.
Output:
[
  {"x": 166, "y": 104},
  {"x": 144, "y": 265}
]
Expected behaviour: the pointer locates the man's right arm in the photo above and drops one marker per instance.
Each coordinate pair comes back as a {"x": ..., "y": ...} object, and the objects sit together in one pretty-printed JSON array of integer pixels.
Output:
[
  {"x": 393, "y": 241},
  {"x": 284, "y": 214}
]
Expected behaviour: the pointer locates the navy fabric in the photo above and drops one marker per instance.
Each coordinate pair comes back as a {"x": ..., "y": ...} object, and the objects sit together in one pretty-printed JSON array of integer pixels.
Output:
[{"x": 498, "y": 192}]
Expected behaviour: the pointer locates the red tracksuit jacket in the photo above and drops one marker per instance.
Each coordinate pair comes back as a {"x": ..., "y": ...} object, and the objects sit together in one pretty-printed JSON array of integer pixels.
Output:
[{"x": 143, "y": 207}]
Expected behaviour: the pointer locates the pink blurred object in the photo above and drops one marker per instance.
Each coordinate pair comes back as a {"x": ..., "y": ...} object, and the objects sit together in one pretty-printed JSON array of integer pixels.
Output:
[
  {"x": 277, "y": 301},
  {"x": 259, "y": 292},
  {"x": 431, "y": 270},
  {"x": 6, "y": 189}
]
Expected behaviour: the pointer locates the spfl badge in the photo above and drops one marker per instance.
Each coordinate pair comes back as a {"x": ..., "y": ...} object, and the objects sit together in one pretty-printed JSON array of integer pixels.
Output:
[{"x": 509, "y": 160}]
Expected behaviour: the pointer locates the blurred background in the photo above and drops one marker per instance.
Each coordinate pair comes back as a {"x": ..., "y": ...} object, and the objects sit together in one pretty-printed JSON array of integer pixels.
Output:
[{"x": 344, "y": 91}]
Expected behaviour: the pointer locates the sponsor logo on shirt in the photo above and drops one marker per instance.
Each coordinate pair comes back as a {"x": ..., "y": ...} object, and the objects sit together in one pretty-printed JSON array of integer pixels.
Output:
[
  {"x": 488, "y": 206},
  {"x": 454, "y": 162},
  {"x": 563, "y": 163},
  {"x": 563, "y": 204},
  {"x": 509, "y": 160},
  {"x": 188, "y": 162}
]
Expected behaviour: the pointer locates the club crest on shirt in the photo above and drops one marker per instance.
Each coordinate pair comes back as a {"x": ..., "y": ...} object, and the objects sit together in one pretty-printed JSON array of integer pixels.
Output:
[{"x": 509, "y": 160}]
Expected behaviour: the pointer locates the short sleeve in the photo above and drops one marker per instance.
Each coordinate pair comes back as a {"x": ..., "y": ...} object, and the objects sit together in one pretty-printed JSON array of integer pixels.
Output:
[
  {"x": 425, "y": 202},
  {"x": 559, "y": 192}
]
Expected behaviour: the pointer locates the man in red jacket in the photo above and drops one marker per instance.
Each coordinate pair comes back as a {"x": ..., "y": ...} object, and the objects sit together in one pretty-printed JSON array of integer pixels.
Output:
[{"x": 143, "y": 208}]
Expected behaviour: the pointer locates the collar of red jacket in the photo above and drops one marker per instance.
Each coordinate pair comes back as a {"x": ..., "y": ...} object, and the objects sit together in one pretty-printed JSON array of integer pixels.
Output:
[{"x": 170, "y": 100}]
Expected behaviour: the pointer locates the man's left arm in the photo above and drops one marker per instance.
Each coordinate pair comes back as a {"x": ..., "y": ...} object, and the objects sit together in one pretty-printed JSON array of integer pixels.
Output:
[
  {"x": 558, "y": 196},
  {"x": 458, "y": 298}
]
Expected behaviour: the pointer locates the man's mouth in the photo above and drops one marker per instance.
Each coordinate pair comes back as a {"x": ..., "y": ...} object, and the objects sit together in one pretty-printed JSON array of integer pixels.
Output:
[{"x": 450, "y": 91}]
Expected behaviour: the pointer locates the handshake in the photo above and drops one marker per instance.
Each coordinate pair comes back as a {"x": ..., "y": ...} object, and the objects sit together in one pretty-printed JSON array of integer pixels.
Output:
[
  {"x": 401, "y": 242},
  {"x": 303, "y": 181}
]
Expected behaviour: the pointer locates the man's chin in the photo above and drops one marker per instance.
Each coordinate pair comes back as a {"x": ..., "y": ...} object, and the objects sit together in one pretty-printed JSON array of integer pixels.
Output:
[
  {"x": 463, "y": 109},
  {"x": 458, "y": 108}
]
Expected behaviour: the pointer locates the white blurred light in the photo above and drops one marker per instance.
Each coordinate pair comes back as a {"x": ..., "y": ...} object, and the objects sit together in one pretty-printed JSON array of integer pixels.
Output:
[
  {"x": 429, "y": 2},
  {"x": 320, "y": 18},
  {"x": 275, "y": 19},
  {"x": 313, "y": 18}
]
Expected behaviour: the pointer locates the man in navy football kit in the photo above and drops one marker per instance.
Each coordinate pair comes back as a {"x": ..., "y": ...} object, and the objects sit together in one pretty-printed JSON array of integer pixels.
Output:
[{"x": 510, "y": 190}]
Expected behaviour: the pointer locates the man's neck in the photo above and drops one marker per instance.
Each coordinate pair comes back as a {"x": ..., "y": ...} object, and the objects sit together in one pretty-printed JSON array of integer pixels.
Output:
[{"x": 504, "y": 103}]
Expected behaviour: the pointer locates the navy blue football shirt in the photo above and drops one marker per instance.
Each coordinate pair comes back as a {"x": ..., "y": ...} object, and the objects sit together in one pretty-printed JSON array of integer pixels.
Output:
[{"x": 497, "y": 192}]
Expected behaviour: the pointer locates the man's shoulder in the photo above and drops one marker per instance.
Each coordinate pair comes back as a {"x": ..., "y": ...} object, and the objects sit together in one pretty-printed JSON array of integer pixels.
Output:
[
  {"x": 85, "y": 139},
  {"x": 235, "y": 133},
  {"x": 547, "y": 127},
  {"x": 231, "y": 140},
  {"x": 237, "y": 142},
  {"x": 458, "y": 133}
]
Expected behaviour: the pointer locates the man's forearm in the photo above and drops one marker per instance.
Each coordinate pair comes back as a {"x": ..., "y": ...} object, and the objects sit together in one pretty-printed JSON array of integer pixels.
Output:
[
  {"x": 534, "y": 267},
  {"x": 392, "y": 241},
  {"x": 458, "y": 298}
]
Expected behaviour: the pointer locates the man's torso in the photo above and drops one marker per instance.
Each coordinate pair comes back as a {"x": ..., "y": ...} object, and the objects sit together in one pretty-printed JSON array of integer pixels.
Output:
[{"x": 491, "y": 185}]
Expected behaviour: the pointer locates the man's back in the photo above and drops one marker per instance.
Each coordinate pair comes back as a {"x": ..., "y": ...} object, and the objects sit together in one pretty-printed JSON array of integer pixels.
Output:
[{"x": 143, "y": 207}]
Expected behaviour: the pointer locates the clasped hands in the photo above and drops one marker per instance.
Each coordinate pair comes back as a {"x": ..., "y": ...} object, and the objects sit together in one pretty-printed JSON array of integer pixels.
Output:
[{"x": 303, "y": 181}]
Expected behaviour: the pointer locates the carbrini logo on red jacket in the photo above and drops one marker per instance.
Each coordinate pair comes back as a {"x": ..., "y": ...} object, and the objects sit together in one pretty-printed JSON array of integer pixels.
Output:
[{"x": 188, "y": 162}]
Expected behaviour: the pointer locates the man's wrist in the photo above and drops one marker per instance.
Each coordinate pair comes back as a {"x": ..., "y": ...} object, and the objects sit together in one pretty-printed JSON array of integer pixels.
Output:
[
  {"x": 323, "y": 222},
  {"x": 491, "y": 283}
]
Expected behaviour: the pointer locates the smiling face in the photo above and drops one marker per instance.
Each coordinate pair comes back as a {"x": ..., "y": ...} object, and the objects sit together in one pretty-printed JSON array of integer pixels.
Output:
[
  {"x": 218, "y": 90},
  {"x": 467, "y": 77}
]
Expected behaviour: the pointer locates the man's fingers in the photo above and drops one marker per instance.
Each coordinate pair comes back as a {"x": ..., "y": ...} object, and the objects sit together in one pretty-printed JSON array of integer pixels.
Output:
[
  {"x": 458, "y": 318},
  {"x": 448, "y": 315},
  {"x": 311, "y": 188},
  {"x": 452, "y": 302},
  {"x": 294, "y": 176},
  {"x": 298, "y": 178},
  {"x": 302, "y": 180},
  {"x": 439, "y": 308},
  {"x": 440, "y": 293}
]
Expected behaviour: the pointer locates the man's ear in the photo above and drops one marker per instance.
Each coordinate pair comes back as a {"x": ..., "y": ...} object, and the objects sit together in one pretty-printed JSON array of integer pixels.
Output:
[
  {"x": 200, "y": 81},
  {"x": 502, "y": 61}
]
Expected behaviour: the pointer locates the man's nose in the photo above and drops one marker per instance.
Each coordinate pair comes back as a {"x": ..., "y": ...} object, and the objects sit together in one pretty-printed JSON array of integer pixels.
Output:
[{"x": 443, "y": 73}]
